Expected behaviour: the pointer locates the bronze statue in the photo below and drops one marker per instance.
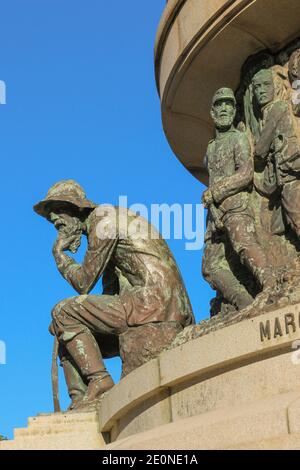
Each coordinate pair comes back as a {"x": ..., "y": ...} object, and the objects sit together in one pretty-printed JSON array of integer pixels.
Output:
[
  {"x": 141, "y": 285},
  {"x": 231, "y": 227},
  {"x": 279, "y": 142},
  {"x": 254, "y": 185}
]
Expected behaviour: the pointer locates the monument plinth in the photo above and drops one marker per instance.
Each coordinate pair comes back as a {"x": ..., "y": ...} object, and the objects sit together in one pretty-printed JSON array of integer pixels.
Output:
[{"x": 236, "y": 387}]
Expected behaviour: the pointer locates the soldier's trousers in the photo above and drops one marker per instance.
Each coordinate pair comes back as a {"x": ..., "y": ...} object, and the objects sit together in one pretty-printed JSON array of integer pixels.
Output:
[
  {"x": 290, "y": 200},
  {"x": 217, "y": 268},
  {"x": 242, "y": 234},
  {"x": 103, "y": 315},
  {"x": 239, "y": 239}
]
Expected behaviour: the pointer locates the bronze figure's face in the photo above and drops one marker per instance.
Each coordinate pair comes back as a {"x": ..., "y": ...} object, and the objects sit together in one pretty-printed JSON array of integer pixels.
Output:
[
  {"x": 68, "y": 226},
  {"x": 223, "y": 113},
  {"x": 263, "y": 87}
]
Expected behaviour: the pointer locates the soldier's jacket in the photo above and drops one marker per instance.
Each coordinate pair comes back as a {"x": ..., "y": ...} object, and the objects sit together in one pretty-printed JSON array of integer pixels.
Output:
[
  {"x": 279, "y": 136},
  {"x": 230, "y": 168},
  {"x": 136, "y": 264}
]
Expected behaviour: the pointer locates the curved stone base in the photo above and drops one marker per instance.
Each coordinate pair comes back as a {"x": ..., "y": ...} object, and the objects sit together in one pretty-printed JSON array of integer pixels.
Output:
[
  {"x": 266, "y": 424},
  {"x": 237, "y": 387},
  {"x": 201, "y": 45}
]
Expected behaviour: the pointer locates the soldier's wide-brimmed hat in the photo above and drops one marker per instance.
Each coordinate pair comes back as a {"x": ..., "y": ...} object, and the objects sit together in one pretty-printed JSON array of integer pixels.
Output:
[
  {"x": 224, "y": 94},
  {"x": 64, "y": 192}
]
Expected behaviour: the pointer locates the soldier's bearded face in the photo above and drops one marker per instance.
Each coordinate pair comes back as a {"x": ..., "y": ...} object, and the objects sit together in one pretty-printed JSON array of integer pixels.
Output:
[
  {"x": 223, "y": 114},
  {"x": 263, "y": 87},
  {"x": 67, "y": 226}
]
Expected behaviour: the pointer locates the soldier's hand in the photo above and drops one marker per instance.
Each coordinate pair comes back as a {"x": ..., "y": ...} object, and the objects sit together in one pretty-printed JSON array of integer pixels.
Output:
[
  {"x": 63, "y": 243},
  {"x": 207, "y": 198}
]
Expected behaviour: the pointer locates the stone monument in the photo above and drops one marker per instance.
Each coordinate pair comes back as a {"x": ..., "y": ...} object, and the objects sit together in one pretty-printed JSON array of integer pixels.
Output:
[
  {"x": 228, "y": 78},
  {"x": 144, "y": 301}
]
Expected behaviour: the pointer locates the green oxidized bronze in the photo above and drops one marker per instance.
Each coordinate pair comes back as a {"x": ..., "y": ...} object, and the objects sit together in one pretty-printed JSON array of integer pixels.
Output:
[
  {"x": 252, "y": 239},
  {"x": 142, "y": 291},
  {"x": 231, "y": 222}
]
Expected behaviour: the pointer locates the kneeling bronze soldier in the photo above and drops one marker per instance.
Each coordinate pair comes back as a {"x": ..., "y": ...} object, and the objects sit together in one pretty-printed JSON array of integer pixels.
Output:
[{"x": 142, "y": 284}]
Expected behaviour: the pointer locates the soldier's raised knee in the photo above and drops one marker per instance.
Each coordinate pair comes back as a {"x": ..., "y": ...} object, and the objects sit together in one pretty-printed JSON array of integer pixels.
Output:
[{"x": 56, "y": 311}]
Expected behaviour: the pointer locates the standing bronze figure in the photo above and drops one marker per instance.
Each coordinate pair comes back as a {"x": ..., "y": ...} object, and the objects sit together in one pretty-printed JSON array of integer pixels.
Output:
[
  {"x": 278, "y": 143},
  {"x": 231, "y": 228}
]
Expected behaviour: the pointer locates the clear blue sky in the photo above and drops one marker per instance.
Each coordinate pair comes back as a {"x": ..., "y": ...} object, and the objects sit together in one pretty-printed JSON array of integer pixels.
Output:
[{"x": 81, "y": 103}]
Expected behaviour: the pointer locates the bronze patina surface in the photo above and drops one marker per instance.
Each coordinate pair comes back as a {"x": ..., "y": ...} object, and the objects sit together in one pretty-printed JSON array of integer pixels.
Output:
[
  {"x": 142, "y": 286},
  {"x": 251, "y": 256}
]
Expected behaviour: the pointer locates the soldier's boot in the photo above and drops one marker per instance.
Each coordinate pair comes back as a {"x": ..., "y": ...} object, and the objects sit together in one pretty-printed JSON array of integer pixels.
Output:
[
  {"x": 75, "y": 383},
  {"x": 231, "y": 289},
  {"x": 242, "y": 299},
  {"x": 87, "y": 356},
  {"x": 256, "y": 261},
  {"x": 270, "y": 288}
]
